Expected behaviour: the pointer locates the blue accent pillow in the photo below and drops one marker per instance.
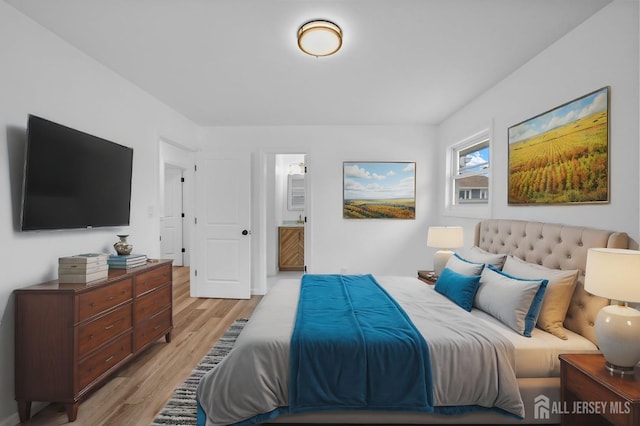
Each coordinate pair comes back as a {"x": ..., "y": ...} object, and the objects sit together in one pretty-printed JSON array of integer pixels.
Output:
[
  {"x": 460, "y": 289},
  {"x": 514, "y": 301}
]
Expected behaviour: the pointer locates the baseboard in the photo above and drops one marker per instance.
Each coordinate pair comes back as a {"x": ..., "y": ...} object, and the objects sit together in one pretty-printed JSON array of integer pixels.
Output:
[{"x": 14, "y": 419}]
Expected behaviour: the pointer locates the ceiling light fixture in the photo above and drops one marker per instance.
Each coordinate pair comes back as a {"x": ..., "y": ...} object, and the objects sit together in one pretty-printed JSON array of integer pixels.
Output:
[{"x": 319, "y": 38}]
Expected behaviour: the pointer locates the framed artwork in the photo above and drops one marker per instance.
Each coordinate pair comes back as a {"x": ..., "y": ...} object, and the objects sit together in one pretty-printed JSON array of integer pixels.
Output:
[
  {"x": 379, "y": 190},
  {"x": 562, "y": 156}
]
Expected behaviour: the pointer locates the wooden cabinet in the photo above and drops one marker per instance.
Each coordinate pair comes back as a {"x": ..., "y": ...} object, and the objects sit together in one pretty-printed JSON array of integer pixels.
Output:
[
  {"x": 70, "y": 338},
  {"x": 291, "y": 248},
  {"x": 591, "y": 395}
]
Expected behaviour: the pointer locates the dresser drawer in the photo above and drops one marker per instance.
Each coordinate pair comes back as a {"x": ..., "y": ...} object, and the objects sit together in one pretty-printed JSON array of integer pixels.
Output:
[
  {"x": 585, "y": 389},
  {"x": 152, "y": 329},
  {"x": 101, "y": 299},
  {"x": 97, "y": 332},
  {"x": 148, "y": 281},
  {"x": 92, "y": 367},
  {"x": 152, "y": 303}
]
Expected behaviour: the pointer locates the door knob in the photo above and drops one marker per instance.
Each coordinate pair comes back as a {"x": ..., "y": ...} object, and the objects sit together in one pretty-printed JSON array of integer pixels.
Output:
[{"x": 245, "y": 232}]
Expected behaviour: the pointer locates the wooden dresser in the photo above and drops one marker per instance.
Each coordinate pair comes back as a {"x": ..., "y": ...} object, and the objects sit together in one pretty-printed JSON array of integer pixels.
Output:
[
  {"x": 70, "y": 338},
  {"x": 291, "y": 248}
]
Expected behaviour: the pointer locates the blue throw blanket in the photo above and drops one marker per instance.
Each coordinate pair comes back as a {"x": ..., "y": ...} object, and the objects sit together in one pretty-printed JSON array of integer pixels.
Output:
[{"x": 353, "y": 347}]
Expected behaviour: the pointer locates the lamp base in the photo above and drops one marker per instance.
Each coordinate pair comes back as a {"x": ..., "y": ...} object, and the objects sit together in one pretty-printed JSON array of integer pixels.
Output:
[
  {"x": 440, "y": 259},
  {"x": 617, "y": 370},
  {"x": 617, "y": 329}
]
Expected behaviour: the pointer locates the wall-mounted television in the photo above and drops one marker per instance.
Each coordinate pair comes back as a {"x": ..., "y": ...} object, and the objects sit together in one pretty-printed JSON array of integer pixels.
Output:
[{"x": 73, "y": 179}]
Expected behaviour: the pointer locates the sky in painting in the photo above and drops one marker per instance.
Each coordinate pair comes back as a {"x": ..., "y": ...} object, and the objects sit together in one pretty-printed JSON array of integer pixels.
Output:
[
  {"x": 583, "y": 107},
  {"x": 375, "y": 181}
]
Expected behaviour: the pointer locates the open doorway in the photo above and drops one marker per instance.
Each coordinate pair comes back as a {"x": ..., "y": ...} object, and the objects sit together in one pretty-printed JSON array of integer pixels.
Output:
[
  {"x": 176, "y": 164},
  {"x": 286, "y": 214},
  {"x": 171, "y": 221}
]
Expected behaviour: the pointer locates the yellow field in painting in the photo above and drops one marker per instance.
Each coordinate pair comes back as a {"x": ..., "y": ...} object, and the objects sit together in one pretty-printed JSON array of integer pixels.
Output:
[
  {"x": 379, "y": 209},
  {"x": 566, "y": 164}
]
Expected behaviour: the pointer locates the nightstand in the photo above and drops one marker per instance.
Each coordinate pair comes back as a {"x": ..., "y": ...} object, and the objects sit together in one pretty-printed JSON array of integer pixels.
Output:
[
  {"x": 590, "y": 393},
  {"x": 428, "y": 277}
]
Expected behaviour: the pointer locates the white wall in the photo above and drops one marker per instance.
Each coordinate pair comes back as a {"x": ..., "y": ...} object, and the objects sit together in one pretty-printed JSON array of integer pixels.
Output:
[
  {"x": 603, "y": 51},
  {"x": 43, "y": 75},
  {"x": 40, "y": 74},
  {"x": 357, "y": 246}
]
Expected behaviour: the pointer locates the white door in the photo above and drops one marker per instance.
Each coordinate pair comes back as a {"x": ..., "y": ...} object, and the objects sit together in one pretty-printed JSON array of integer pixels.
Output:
[
  {"x": 171, "y": 220},
  {"x": 223, "y": 233}
]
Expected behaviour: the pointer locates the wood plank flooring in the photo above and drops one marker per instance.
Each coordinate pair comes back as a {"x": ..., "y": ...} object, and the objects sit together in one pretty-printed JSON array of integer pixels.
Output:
[{"x": 138, "y": 391}]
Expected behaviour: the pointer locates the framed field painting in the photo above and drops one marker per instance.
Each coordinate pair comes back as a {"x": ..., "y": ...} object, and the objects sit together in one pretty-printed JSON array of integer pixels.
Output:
[
  {"x": 379, "y": 190},
  {"x": 562, "y": 156}
]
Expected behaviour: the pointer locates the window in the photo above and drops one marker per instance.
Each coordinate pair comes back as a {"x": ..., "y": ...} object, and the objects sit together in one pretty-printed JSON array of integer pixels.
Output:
[{"x": 469, "y": 173}]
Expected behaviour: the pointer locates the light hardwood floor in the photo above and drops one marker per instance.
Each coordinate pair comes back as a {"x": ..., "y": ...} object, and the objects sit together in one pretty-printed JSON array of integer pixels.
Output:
[{"x": 138, "y": 391}]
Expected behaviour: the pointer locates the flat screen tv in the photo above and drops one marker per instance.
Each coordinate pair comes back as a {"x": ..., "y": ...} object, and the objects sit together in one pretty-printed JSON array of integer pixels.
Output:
[{"x": 73, "y": 179}]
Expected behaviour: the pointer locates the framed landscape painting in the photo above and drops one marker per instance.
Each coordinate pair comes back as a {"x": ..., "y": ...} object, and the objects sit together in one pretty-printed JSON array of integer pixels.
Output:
[
  {"x": 379, "y": 190},
  {"x": 562, "y": 156}
]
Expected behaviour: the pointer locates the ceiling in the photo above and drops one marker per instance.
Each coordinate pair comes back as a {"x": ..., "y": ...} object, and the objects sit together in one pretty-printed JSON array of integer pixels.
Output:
[{"x": 236, "y": 62}]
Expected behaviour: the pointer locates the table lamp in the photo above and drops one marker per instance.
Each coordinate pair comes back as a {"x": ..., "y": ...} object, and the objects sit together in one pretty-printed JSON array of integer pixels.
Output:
[
  {"x": 615, "y": 274},
  {"x": 444, "y": 238}
]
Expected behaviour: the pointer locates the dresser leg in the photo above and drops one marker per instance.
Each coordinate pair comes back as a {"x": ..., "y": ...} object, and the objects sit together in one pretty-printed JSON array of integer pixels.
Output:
[
  {"x": 24, "y": 410},
  {"x": 167, "y": 337},
  {"x": 72, "y": 411}
]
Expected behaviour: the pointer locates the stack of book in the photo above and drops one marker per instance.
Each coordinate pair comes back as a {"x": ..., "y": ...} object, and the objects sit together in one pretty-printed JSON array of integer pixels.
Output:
[
  {"x": 126, "y": 261},
  {"x": 83, "y": 268}
]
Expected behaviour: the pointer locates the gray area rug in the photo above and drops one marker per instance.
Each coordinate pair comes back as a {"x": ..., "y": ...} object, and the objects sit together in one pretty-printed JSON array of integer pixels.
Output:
[{"x": 181, "y": 408}]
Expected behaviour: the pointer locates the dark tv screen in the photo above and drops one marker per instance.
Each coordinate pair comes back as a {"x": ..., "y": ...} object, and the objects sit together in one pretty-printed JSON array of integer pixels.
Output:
[{"x": 73, "y": 179}]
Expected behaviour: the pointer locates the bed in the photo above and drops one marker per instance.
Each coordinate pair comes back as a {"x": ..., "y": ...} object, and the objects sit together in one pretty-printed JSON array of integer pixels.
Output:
[{"x": 251, "y": 385}]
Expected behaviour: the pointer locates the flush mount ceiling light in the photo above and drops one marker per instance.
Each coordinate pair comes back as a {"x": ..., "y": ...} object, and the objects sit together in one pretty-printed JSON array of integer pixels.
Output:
[{"x": 319, "y": 38}]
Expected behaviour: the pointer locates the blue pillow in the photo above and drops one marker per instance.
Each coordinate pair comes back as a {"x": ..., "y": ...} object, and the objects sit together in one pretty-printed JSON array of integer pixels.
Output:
[
  {"x": 460, "y": 289},
  {"x": 514, "y": 301}
]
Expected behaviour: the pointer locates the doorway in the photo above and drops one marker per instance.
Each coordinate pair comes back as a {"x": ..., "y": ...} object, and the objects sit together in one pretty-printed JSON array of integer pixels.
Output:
[
  {"x": 171, "y": 220},
  {"x": 176, "y": 170},
  {"x": 287, "y": 190}
]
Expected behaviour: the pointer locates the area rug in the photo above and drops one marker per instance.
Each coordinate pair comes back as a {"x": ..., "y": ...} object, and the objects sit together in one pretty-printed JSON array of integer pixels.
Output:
[{"x": 181, "y": 408}]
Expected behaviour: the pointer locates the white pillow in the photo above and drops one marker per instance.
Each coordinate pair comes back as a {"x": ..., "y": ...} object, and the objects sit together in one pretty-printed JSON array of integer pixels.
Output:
[
  {"x": 476, "y": 254},
  {"x": 557, "y": 297},
  {"x": 463, "y": 266},
  {"x": 513, "y": 301}
]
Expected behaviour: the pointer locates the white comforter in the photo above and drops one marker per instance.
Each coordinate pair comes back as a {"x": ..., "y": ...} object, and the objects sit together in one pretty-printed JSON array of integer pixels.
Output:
[{"x": 471, "y": 363}]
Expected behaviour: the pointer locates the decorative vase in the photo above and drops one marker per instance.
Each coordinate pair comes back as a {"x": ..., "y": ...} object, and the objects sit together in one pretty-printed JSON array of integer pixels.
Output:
[{"x": 122, "y": 246}]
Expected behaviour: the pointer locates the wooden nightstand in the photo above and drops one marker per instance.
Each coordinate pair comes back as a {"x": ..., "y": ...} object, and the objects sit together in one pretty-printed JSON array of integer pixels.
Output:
[
  {"x": 428, "y": 277},
  {"x": 590, "y": 393}
]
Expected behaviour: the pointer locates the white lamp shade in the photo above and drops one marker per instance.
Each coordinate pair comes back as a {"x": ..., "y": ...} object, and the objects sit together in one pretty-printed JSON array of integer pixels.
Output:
[
  {"x": 613, "y": 274},
  {"x": 319, "y": 38},
  {"x": 445, "y": 237}
]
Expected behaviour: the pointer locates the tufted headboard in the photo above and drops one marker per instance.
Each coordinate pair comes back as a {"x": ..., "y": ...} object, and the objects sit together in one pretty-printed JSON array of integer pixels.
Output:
[{"x": 554, "y": 246}]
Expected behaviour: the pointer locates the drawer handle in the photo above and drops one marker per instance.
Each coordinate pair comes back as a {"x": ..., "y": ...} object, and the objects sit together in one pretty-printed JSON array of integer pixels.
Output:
[
  {"x": 109, "y": 359},
  {"x": 114, "y": 323},
  {"x": 91, "y": 337},
  {"x": 92, "y": 304},
  {"x": 111, "y": 298},
  {"x": 156, "y": 327}
]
